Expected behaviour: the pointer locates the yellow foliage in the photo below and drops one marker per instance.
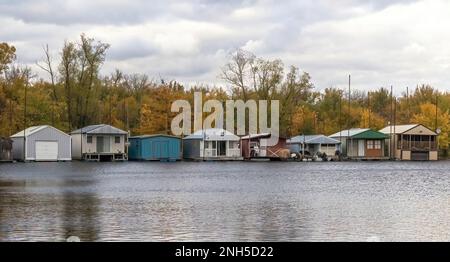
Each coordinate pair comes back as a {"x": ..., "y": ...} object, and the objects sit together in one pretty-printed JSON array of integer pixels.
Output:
[
  {"x": 370, "y": 119},
  {"x": 303, "y": 121},
  {"x": 427, "y": 117}
]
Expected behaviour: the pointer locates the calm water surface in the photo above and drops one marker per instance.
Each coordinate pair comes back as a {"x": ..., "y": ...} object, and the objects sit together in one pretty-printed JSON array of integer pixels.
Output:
[{"x": 231, "y": 201}]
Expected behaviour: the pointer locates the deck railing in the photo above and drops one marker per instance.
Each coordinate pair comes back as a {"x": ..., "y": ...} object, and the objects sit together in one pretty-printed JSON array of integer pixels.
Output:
[
  {"x": 234, "y": 152},
  {"x": 417, "y": 145},
  {"x": 210, "y": 152},
  {"x": 231, "y": 152}
]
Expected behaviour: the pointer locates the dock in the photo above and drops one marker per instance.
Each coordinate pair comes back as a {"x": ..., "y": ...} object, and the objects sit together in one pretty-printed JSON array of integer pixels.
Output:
[{"x": 109, "y": 157}]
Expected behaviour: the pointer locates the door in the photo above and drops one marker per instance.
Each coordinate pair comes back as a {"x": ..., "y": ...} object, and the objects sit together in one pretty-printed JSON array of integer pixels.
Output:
[
  {"x": 222, "y": 148},
  {"x": 46, "y": 150},
  {"x": 161, "y": 149},
  {"x": 99, "y": 144},
  {"x": 103, "y": 144},
  {"x": 361, "y": 147},
  {"x": 420, "y": 155}
]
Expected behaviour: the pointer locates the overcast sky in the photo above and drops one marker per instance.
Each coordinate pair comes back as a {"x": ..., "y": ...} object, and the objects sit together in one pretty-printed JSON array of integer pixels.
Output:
[{"x": 381, "y": 43}]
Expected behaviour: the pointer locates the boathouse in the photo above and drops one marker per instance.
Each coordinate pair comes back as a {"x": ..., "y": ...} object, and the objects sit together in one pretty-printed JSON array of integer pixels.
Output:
[
  {"x": 155, "y": 147},
  {"x": 314, "y": 145},
  {"x": 212, "y": 144},
  {"x": 361, "y": 143},
  {"x": 256, "y": 147},
  {"x": 41, "y": 143},
  {"x": 99, "y": 143},
  {"x": 5, "y": 149},
  {"x": 411, "y": 142}
]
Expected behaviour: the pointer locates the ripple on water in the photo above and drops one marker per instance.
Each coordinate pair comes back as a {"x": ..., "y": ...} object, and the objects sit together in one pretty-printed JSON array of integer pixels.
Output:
[{"x": 229, "y": 201}]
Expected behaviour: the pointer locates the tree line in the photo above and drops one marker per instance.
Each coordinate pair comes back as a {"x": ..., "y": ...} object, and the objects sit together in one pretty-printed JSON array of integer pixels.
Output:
[{"x": 75, "y": 94}]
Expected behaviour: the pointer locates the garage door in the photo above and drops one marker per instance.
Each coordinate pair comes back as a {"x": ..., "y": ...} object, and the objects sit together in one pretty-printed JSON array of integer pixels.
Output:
[
  {"x": 46, "y": 151},
  {"x": 420, "y": 156}
]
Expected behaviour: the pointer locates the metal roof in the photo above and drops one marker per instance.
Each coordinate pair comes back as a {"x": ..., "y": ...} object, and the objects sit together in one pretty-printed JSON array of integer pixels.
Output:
[
  {"x": 30, "y": 130},
  {"x": 100, "y": 129},
  {"x": 370, "y": 134},
  {"x": 213, "y": 134},
  {"x": 256, "y": 136},
  {"x": 155, "y": 135},
  {"x": 360, "y": 133},
  {"x": 400, "y": 129},
  {"x": 349, "y": 132},
  {"x": 312, "y": 139}
]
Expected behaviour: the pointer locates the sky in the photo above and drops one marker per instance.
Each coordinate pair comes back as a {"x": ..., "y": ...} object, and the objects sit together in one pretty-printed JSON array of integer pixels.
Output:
[{"x": 379, "y": 42}]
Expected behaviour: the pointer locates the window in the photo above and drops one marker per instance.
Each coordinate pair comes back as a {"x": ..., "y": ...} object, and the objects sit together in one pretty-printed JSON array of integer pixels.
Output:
[
  {"x": 117, "y": 139},
  {"x": 377, "y": 144},
  {"x": 373, "y": 144},
  {"x": 210, "y": 144},
  {"x": 89, "y": 139}
]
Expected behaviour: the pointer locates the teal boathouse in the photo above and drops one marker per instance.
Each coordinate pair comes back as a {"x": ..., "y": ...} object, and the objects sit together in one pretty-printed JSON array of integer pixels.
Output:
[{"x": 155, "y": 147}]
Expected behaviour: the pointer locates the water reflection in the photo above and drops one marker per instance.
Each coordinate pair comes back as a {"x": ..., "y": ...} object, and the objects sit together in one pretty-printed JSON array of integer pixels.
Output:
[
  {"x": 225, "y": 201},
  {"x": 36, "y": 204},
  {"x": 80, "y": 216}
]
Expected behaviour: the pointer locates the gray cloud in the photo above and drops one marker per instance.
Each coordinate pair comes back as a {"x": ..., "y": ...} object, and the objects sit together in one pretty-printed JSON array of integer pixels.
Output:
[{"x": 401, "y": 42}]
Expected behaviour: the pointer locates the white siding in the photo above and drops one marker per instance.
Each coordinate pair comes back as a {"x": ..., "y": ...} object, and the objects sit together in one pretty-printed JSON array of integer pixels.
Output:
[
  {"x": 50, "y": 134},
  {"x": 17, "y": 150},
  {"x": 46, "y": 134},
  {"x": 92, "y": 147},
  {"x": 76, "y": 152}
]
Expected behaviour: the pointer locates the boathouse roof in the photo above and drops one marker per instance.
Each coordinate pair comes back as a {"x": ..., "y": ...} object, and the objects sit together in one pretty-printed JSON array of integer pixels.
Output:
[
  {"x": 154, "y": 135},
  {"x": 100, "y": 129},
  {"x": 213, "y": 134},
  {"x": 359, "y": 133},
  {"x": 32, "y": 130},
  {"x": 312, "y": 139},
  {"x": 401, "y": 129}
]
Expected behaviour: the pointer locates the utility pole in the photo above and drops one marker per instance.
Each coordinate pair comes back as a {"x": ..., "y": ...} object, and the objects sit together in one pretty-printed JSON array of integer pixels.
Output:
[
  {"x": 436, "y": 113},
  {"x": 26, "y": 75},
  {"x": 110, "y": 109},
  {"x": 407, "y": 104},
  {"x": 368, "y": 107},
  {"x": 390, "y": 125},
  {"x": 81, "y": 142},
  {"x": 25, "y": 119},
  {"x": 303, "y": 146},
  {"x": 340, "y": 117},
  {"x": 349, "y": 113},
  {"x": 204, "y": 143},
  {"x": 395, "y": 124}
]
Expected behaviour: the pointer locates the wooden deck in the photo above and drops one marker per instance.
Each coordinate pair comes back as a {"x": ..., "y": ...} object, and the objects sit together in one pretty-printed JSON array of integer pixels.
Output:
[
  {"x": 366, "y": 158},
  {"x": 211, "y": 159},
  {"x": 108, "y": 157}
]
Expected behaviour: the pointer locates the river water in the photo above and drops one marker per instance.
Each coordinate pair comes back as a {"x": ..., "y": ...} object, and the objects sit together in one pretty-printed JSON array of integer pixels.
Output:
[{"x": 225, "y": 201}]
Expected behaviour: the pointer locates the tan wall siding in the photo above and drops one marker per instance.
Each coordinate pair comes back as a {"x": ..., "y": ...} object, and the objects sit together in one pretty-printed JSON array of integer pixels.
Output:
[
  {"x": 433, "y": 155},
  {"x": 420, "y": 130},
  {"x": 406, "y": 155}
]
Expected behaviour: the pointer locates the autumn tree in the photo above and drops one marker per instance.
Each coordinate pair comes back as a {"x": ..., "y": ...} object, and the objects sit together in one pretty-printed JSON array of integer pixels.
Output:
[
  {"x": 7, "y": 56},
  {"x": 427, "y": 116},
  {"x": 240, "y": 73},
  {"x": 77, "y": 94}
]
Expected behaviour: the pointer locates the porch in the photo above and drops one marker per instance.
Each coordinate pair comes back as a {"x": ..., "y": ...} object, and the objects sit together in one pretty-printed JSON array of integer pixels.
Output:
[
  {"x": 221, "y": 149},
  {"x": 417, "y": 143},
  {"x": 214, "y": 152}
]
